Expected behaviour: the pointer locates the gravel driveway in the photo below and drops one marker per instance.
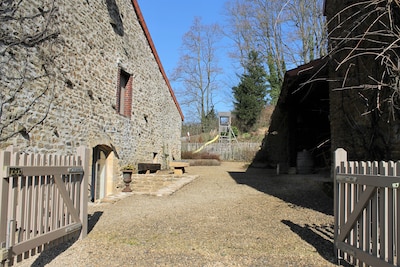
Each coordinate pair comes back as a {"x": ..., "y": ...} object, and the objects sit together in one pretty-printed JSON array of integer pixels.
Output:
[{"x": 226, "y": 217}]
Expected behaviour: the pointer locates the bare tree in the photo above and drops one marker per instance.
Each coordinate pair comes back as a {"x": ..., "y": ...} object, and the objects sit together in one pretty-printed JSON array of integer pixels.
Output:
[
  {"x": 369, "y": 49},
  {"x": 240, "y": 29},
  {"x": 197, "y": 68},
  {"x": 309, "y": 36},
  {"x": 286, "y": 33},
  {"x": 27, "y": 73}
]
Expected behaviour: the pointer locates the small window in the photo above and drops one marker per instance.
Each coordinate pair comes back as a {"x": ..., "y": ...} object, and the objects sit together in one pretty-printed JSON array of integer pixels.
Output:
[
  {"x": 223, "y": 120},
  {"x": 124, "y": 93}
]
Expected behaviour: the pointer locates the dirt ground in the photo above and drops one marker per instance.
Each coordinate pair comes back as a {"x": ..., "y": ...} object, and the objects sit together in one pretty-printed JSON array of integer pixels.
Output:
[{"x": 228, "y": 216}]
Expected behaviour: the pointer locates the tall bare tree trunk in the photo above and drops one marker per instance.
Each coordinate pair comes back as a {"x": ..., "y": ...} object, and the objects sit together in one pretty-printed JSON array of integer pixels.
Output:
[{"x": 197, "y": 69}]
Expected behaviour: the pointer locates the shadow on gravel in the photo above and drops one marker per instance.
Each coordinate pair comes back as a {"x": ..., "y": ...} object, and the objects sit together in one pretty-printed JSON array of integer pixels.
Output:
[
  {"x": 305, "y": 191},
  {"x": 51, "y": 253},
  {"x": 93, "y": 219},
  {"x": 317, "y": 236}
]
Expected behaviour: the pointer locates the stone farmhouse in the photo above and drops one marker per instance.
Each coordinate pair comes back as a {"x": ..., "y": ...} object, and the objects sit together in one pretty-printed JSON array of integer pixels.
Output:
[
  {"x": 344, "y": 99},
  {"x": 97, "y": 81}
]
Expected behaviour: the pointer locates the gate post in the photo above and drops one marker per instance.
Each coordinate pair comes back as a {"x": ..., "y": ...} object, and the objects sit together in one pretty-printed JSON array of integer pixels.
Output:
[
  {"x": 84, "y": 153},
  {"x": 340, "y": 158},
  {"x": 5, "y": 159}
]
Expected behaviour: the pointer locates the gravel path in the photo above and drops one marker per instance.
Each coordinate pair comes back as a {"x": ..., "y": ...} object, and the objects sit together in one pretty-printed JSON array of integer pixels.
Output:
[{"x": 226, "y": 217}]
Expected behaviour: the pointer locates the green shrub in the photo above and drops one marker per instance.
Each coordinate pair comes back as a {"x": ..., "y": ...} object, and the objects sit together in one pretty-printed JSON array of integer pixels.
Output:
[
  {"x": 246, "y": 135},
  {"x": 235, "y": 130}
]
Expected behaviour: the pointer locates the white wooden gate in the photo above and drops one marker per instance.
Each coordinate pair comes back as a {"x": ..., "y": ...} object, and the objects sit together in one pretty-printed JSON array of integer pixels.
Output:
[
  {"x": 367, "y": 211},
  {"x": 43, "y": 201}
]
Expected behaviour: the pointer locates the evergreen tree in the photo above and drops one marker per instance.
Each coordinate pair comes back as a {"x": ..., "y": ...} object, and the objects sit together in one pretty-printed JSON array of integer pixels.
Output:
[
  {"x": 275, "y": 79},
  {"x": 250, "y": 94},
  {"x": 209, "y": 121}
]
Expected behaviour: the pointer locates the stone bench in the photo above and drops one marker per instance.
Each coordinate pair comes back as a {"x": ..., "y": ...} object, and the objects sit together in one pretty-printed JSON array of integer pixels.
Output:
[
  {"x": 179, "y": 166},
  {"x": 148, "y": 167}
]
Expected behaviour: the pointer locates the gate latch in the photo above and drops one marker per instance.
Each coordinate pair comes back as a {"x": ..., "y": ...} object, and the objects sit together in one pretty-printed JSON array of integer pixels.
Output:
[
  {"x": 3, "y": 253},
  {"x": 346, "y": 179},
  {"x": 75, "y": 170}
]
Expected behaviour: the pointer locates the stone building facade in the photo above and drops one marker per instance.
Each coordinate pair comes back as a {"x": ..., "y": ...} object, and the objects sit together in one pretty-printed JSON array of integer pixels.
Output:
[
  {"x": 363, "y": 101},
  {"x": 86, "y": 73}
]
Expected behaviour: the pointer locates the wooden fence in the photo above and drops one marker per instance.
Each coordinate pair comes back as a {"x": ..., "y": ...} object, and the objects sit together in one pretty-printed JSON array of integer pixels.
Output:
[
  {"x": 227, "y": 151},
  {"x": 367, "y": 211},
  {"x": 43, "y": 202}
]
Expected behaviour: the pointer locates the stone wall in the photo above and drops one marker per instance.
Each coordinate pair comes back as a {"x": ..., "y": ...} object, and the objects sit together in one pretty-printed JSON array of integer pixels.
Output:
[
  {"x": 73, "y": 75},
  {"x": 359, "y": 106}
]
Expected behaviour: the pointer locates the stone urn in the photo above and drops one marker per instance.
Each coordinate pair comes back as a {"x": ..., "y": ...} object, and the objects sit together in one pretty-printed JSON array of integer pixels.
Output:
[{"x": 127, "y": 178}]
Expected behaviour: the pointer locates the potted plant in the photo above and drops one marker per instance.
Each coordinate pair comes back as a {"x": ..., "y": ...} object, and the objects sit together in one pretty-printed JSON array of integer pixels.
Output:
[{"x": 127, "y": 177}]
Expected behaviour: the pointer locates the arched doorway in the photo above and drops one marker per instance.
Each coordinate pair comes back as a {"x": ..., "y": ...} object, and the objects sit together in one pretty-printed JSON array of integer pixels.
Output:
[{"x": 102, "y": 170}]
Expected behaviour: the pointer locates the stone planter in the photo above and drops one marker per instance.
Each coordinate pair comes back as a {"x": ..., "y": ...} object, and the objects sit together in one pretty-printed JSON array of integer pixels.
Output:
[{"x": 127, "y": 178}]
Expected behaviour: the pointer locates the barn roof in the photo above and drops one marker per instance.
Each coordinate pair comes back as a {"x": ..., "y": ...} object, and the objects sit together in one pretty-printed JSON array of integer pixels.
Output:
[
  {"x": 153, "y": 49},
  {"x": 304, "y": 74}
]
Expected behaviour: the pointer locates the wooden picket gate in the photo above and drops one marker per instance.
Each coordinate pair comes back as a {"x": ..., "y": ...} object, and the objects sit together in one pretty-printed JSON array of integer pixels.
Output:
[
  {"x": 43, "y": 202},
  {"x": 367, "y": 211}
]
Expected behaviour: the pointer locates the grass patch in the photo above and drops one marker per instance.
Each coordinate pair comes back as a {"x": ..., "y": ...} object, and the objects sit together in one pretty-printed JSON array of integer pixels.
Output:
[{"x": 204, "y": 162}]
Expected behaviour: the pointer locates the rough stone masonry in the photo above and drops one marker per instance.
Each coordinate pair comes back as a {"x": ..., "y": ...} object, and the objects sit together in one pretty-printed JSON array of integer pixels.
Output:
[{"x": 63, "y": 69}]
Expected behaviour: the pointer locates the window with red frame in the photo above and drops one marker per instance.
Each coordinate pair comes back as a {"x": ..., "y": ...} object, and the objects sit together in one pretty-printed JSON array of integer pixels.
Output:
[{"x": 124, "y": 93}]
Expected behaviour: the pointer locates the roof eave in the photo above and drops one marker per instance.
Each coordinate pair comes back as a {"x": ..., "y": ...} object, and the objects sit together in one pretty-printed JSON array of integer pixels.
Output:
[{"x": 153, "y": 49}]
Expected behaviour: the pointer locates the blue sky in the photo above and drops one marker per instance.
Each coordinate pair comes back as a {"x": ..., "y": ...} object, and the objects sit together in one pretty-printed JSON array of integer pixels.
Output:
[{"x": 168, "y": 21}]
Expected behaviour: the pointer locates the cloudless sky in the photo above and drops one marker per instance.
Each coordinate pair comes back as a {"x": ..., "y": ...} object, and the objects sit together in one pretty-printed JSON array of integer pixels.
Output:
[{"x": 169, "y": 20}]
